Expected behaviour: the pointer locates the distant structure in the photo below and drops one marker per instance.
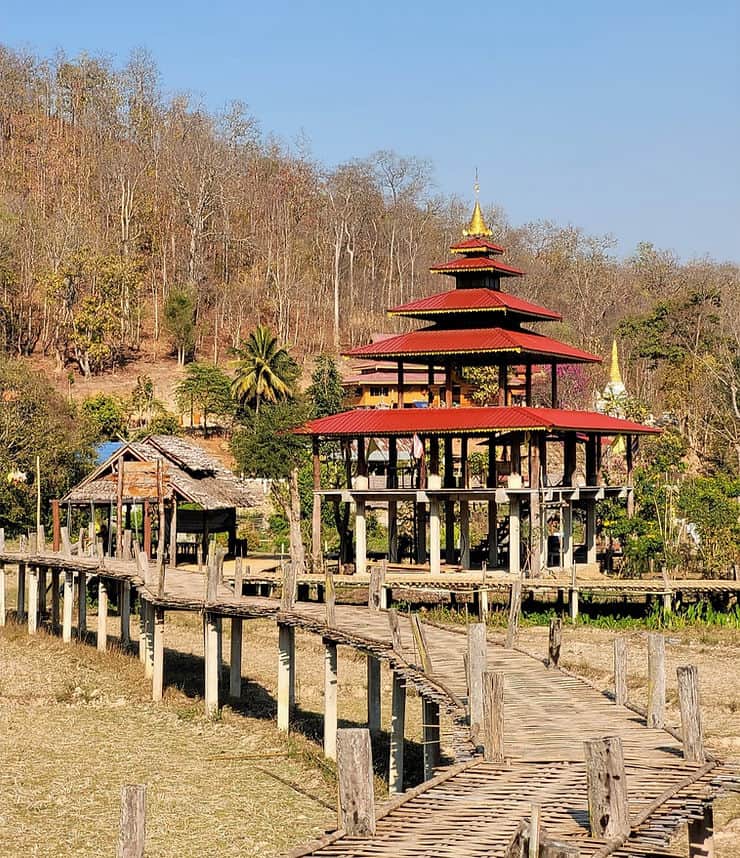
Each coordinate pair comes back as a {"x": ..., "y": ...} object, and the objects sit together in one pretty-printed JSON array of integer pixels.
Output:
[
  {"x": 475, "y": 324},
  {"x": 613, "y": 399}
]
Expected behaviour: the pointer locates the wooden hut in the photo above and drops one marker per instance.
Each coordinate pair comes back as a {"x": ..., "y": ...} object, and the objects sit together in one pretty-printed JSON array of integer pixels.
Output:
[{"x": 164, "y": 484}]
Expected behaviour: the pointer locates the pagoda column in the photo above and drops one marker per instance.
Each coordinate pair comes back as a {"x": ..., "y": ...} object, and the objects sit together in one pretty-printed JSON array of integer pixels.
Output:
[
  {"x": 392, "y": 483},
  {"x": 434, "y": 483},
  {"x": 491, "y": 481},
  {"x": 449, "y": 483},
  {"x": 515, "y": 481},
  {"x": 400, "y": 384},
  {"x": 554, "y": 384}
]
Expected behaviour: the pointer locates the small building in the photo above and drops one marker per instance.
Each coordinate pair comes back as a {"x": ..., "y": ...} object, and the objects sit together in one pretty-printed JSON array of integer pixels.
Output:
[{"x": 167, "y": 491}]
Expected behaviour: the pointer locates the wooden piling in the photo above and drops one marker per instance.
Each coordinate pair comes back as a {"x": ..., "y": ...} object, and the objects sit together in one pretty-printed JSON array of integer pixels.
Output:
[
  {"x": 33, "y": 600},
  {"x": 102, "y": 615},
  {"x": 330, "y": 699},
  {"x": 81, "y": 603},
  {"x": 286, "y": 675},
  {"x": 555, "y": 641},
  {"x": 373, "y": 695},
  {"x": 238, "y": 577},
  {"x": 132, "y": 832},
  {"x": 398, "y": 729},
  {"x": 620, "y": 671},
  {"x": 330, "y": 599},
  {"x": 656, "y": 681},
  {"x": 691, "y": 727},
  {"x": 235, "y": 658},
  {"x": 477, "y": 658},
  {"x": 493, "y": 715},
  {"x": 125, "y": 611},
  {"x": 356, "y": 810},
  {"x": 515, "y": 609},
  {"x": 212, "y": 666},
  {"x": 608, "y": 811},
  {"x": 148, "y": 640}
]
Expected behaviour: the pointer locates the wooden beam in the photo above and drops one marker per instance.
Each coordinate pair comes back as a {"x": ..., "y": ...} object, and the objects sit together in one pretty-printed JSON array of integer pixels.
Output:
[
  {"x": 688, "y": 700},
  {"x": 515, "y": 609},
  {"x": 125, "y": 611},
  {"x": 132, "y": 829},
  {"x": 493, "y": 716},
  {"x": 620, "y": 671},
  {"x": 555, "y": 642},
  {"x": 608, "y": 810},
  {"x": 373, "y": 695},
  {"x": 33, "y": 600},
  {"x": 331, "y": 681},
  {"x": 656, "y": 681},
  {"x": 356, "y": 808},
  {"x": 477, "y": 661}
]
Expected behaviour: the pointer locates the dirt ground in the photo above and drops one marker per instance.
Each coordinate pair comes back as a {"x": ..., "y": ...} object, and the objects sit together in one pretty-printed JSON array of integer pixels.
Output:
[{"x": 76, "y": 724}]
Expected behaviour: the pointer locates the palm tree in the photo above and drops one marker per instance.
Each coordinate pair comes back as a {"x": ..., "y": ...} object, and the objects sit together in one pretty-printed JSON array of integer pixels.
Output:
[{"x": 264, "y": 371}]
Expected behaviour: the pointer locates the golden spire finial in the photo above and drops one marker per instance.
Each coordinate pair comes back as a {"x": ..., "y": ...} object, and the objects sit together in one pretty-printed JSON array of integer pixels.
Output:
[
  {"x": 477, "y": 225},
  {"x": 615, "y": 376}
]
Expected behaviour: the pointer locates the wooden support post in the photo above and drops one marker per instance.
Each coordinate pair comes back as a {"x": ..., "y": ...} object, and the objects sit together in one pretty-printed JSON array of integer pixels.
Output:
[
  {"x": 421, "y": 644},
  {"x": 493, "y": 716},
  {"x": 42, "y": 592},
  {"x": 142, "y": 630},
  {"x": 377, "y": 580},
  {"x": 330, "y": 599},
  {"x": 464, "y": 534},
  {"x": 656, "y": 681},
  {"x": 3, "y": 610},
  {"x": 356, "y": 810},
  {"x": 81, "y": 603},
  {"x": 316, "y": 552},
  {"x": 688, "y": 700},
  {"x": 132, "y": 832},
  {"x": 102, "y": 636},
  {"x": 119, "y": 510},
  {"x": 125, "y": 611},
  {"x": 360, "y": 537},
  {"x": 373, "y": 695},
  {"x": 701, "y": 834},
  {"x": 235, "y": 659},
  {"x": 395, "y": 630},
  {"x": 515, "y": 609},
  {"x": 398, "y": 729},
  {"x": 69, "y": 596},
  {"x": 157, "y": 654},
  {"x": 147, "y": 530},
  {"x": 55, "y": 600},
  {"x": 56, "y": 526},
  {"x": 573, "y": 604},
  {"x": 607, "y": 788},
  {"x": 33, "y": 600},
  {"x": 477, "y": 660},
  {"x": 620, "y": 671},
  {"x": 555, "y": 642},
  {"x": 514, "y": 535},
  {"x": 286, "y": 675},
  {"x": 239, "y": 577},
  {"x": 393, "y": 531},
  {"x": 482, "y": 604},
  {"x": 430, "y": 736},
  {"x": 534, "y": 832},
  {"x": 330, "y": 699},
  {"x": 566, "y": 513},
  {"x": 148, "y": 640},
  {"x": 212, "y": 666},
  {"x": 435, "y": 531},
  {"x": 591, "y": 531},
  {"x": 21, "y": 591},
  {"x": 173, "y": 533}
]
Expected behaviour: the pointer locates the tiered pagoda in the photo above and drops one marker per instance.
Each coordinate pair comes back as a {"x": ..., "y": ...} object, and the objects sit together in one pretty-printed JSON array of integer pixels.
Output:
[{"x": 479, "y": 324}]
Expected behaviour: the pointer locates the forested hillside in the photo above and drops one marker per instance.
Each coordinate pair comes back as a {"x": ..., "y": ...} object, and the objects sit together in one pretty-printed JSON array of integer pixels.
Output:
[{"x": 119, "y": 206}]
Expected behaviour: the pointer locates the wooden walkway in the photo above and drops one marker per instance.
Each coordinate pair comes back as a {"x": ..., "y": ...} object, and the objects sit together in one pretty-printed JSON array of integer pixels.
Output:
[{"x": 474, "y": 807}]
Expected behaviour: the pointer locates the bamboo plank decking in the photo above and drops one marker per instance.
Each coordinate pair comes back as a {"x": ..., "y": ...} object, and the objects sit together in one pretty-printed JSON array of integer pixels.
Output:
[{"x": 475, "y": 808}]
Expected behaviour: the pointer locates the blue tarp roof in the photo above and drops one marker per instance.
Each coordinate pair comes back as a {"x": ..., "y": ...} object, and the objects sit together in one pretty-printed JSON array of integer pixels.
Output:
[{"x": 107, "y": 449}]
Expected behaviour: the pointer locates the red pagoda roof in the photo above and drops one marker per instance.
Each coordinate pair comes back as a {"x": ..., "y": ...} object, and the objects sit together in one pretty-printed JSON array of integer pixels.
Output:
[
  {"x": 476, "y": 263},
  {"x": 437, "y": 341},
  {"x": 468, "y": 421},
  {"x": 476, "y": 244},
  {"x": 473, "y": 301}
]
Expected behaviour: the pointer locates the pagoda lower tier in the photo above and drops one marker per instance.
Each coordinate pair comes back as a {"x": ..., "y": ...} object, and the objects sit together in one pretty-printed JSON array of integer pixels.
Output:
[{"x": 544, "y": 469}]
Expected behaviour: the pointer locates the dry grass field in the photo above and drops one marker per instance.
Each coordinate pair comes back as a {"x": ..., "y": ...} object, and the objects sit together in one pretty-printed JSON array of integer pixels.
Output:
[{"x": 75, "y": 725}]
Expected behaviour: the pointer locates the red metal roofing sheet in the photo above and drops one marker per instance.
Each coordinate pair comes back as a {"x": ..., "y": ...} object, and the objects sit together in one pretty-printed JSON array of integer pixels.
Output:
[
  {"x": 434, "y": 341},
  {"x": 470, "y": 245},
  {"x": 476, "y": 263},
  {"x": 458, "y": 300},
  {"x": 468, "y": 421}
]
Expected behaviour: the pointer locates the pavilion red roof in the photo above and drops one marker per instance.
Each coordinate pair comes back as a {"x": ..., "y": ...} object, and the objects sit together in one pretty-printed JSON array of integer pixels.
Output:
[
  {"x": 468, "y": 421},
  {"x": 476, "y": 263},
  {"x": 476, "y": 243},
  {"x": 471, "y": 301},
  {"x": 436, "y": 341}
]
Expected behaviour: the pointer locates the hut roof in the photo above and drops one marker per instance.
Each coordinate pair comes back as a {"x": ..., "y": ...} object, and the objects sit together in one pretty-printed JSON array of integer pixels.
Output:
[{"x": 189, "y": 473}]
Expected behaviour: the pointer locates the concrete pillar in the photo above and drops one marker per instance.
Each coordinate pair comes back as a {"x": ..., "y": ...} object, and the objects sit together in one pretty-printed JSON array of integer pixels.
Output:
[
  {"x": 492, "y": 533},
  {"x": 81, "y": 603},
  {"x": 102, "y": 636},
  {"x": 373, "y": 694},
  {"x": 398, "y": 728},
  {"x": 157, "y": 654},
  {"x": 212, "y": 667},
  {"x": 125, "y": 611},
  {"x": 566, "y": 513},
  {"x": 286, "y": 675},
  {"x": 235, "y": 660},
  {"x": 360, "y": 538},
  {"x": 330, "y": 699},
  {"x": 67, "y": 606},
  {"x": 514, "y": 535},
  {"x": 465, "y": 534},
  {"x": 591, "y": 531},
  {"x": 148, "y": 640},
  {"x": 435, "y": 533},
  {"x": 430, "y": 728},
  {"x": 21, "y": 591},
  {"x": 33, "y": 600}
]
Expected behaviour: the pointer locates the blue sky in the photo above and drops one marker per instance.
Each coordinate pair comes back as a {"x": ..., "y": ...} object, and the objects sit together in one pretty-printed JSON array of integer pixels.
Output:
[{"x": 621, "y": 118}]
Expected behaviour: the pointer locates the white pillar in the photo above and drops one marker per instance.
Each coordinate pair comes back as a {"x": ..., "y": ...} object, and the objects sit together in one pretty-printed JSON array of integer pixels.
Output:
[
  {"x": 514, "y": 536},
  {"x": 102, "y": 615},
  {"x": 33, "y": 600},
  {"x": 330, "y": 699},
  {"x": 398, "y": 728},
  {"x": 142, "y": 630},
  {"x": 235, "y": 661},
  {"x": 360, "y": 537},
  {"x": 158, "y": 654},
  {"x": 286, "y": 675},
  {"x": 373, "y": 694},
  {"x": 435, "y": 527},
  {"x": 212, "y": 667},
  {"x": 148, "y": 640},
  {"x": 69, "y": 595}
]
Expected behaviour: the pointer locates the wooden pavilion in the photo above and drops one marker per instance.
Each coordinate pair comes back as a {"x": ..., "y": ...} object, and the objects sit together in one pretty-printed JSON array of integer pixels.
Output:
[
  {"x": 479, "y": 324},
  {"x": 164, "y": 484}
]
